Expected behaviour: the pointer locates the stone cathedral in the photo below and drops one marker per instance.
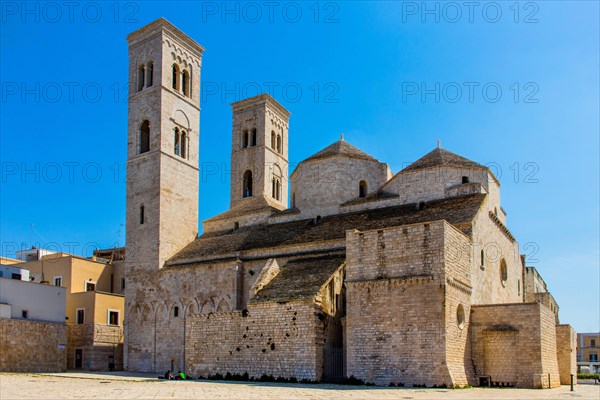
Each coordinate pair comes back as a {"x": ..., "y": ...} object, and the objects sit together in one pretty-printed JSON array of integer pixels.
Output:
[{"x": 340, "y": 270}]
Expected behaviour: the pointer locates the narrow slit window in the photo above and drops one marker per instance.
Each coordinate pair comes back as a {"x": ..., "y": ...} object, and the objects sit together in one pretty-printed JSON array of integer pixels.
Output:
[
  {"x": 142, "y": 216},
  {"x": 482, "y": 258}
]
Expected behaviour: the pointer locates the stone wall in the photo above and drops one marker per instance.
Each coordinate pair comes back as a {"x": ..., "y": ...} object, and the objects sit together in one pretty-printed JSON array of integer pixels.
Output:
[
  {"x": 497, "y": 245},
  {"x": 401, "y": 325},
  {"x": 410, "y": 250},
  {"x": 514, "y": 345},
  {"x": 548, "y": 300},
  {"x": 101, "y": 345},
  {"x": 457, "y": 303},
  {"x": 32, "y": 346},
  {"x": 282, "y": 340},
  {"x": 156, "y": 312},
  {"x": 566, "y": 347},
  {"x": 399, "y": 341}
]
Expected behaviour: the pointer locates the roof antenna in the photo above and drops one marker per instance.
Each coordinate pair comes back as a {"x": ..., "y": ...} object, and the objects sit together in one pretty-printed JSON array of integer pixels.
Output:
[
  {"x": 341, "y": 136},
  {"x": 439, "y": 144}
]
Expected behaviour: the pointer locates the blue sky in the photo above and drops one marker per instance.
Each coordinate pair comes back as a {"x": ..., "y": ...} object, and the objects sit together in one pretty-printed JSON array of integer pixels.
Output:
[{"x": 514, "y": 87}]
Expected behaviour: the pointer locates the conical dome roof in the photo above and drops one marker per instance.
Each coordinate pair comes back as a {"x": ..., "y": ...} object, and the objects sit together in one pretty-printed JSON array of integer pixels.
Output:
[
  {"x": 441, "y": 158},
  {"x": 340, "y": 148}
]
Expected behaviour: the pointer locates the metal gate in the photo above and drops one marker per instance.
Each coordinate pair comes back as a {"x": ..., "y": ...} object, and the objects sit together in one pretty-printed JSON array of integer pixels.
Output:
[{"x": 334, "y": 365}]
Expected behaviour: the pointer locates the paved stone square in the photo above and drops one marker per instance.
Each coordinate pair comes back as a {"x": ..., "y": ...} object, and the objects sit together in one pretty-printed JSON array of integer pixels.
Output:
[{"x": 144, "y": 386}]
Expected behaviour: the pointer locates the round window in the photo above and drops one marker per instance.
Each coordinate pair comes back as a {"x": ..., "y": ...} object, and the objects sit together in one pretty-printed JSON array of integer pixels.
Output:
[{"x": 460, "y": 316}]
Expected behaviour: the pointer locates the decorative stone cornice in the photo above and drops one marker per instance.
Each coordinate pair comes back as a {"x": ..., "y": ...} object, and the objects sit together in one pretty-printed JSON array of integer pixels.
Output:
[
  {"x": 502, "y": 227},
  {"x": 461, "y": 286},
  {"x": 405, "y": 280}
]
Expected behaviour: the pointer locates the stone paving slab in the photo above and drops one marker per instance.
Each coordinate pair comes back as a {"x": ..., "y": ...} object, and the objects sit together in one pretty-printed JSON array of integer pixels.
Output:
[{"x": 145, "y": 386}]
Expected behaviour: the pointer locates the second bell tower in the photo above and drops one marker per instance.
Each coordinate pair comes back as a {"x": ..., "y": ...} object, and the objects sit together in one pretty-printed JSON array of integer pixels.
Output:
[{"x": 259, "y": 152}]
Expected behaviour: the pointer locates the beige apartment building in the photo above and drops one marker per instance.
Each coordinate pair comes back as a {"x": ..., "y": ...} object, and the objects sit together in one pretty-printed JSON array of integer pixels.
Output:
[
  {"x": 94, "y": 306},
  {"x": 588, "y": 349}
]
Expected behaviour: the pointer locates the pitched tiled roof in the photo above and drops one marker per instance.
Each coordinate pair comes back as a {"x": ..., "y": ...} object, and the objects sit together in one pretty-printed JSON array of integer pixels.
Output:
[
  {"x": 378, "y": 195},
  {"x": 441, "y": 158},
  {"x": 340, "y": 148},
  {"x": 250, "y": 205},
  {"x": 300, "y": 278},
  {"x": 458, "y": 211}
]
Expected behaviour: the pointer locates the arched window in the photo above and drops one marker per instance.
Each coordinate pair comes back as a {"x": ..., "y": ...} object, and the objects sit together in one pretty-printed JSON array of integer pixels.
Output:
[
  {"x": 141, "y": 77},
  {"x": 278, "y": 192},
  {"x": 276, "y": 188},
  {"x": 362, "y": 189},
  {"x": 145, "y": 137},
  {"x": 279, "y": 144},
  {"x": 176, "y": 142},
  {"x": 503, "y": 272},
  {"x": 184, "y": 144},
  {"x": 460, "y": 316},
  {"x": 253, "y": 137},
  {"x": 273, "y": 140},
  {"x": 247, "y": 186},
  {"x": 150, "y": 73},
  {"x": 276, "y": 182},
  {"x": 175, "y": 77},
  {"x": 185, "y": 83},
  {"x": 245, "y": 139}
]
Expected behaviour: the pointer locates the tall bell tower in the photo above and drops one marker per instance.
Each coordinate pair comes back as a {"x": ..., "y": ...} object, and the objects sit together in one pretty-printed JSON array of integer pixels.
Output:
[
  {"x": 259, "y": 152},
  {"x": 162, "y": 177},
  {"x": 163, "y": 143}
]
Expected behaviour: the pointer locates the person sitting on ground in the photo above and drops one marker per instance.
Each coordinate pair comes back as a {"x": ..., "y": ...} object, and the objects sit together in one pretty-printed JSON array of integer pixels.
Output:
[
  {"x": 182, "y": 376},
  {"x": 168, "y": 375}
]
